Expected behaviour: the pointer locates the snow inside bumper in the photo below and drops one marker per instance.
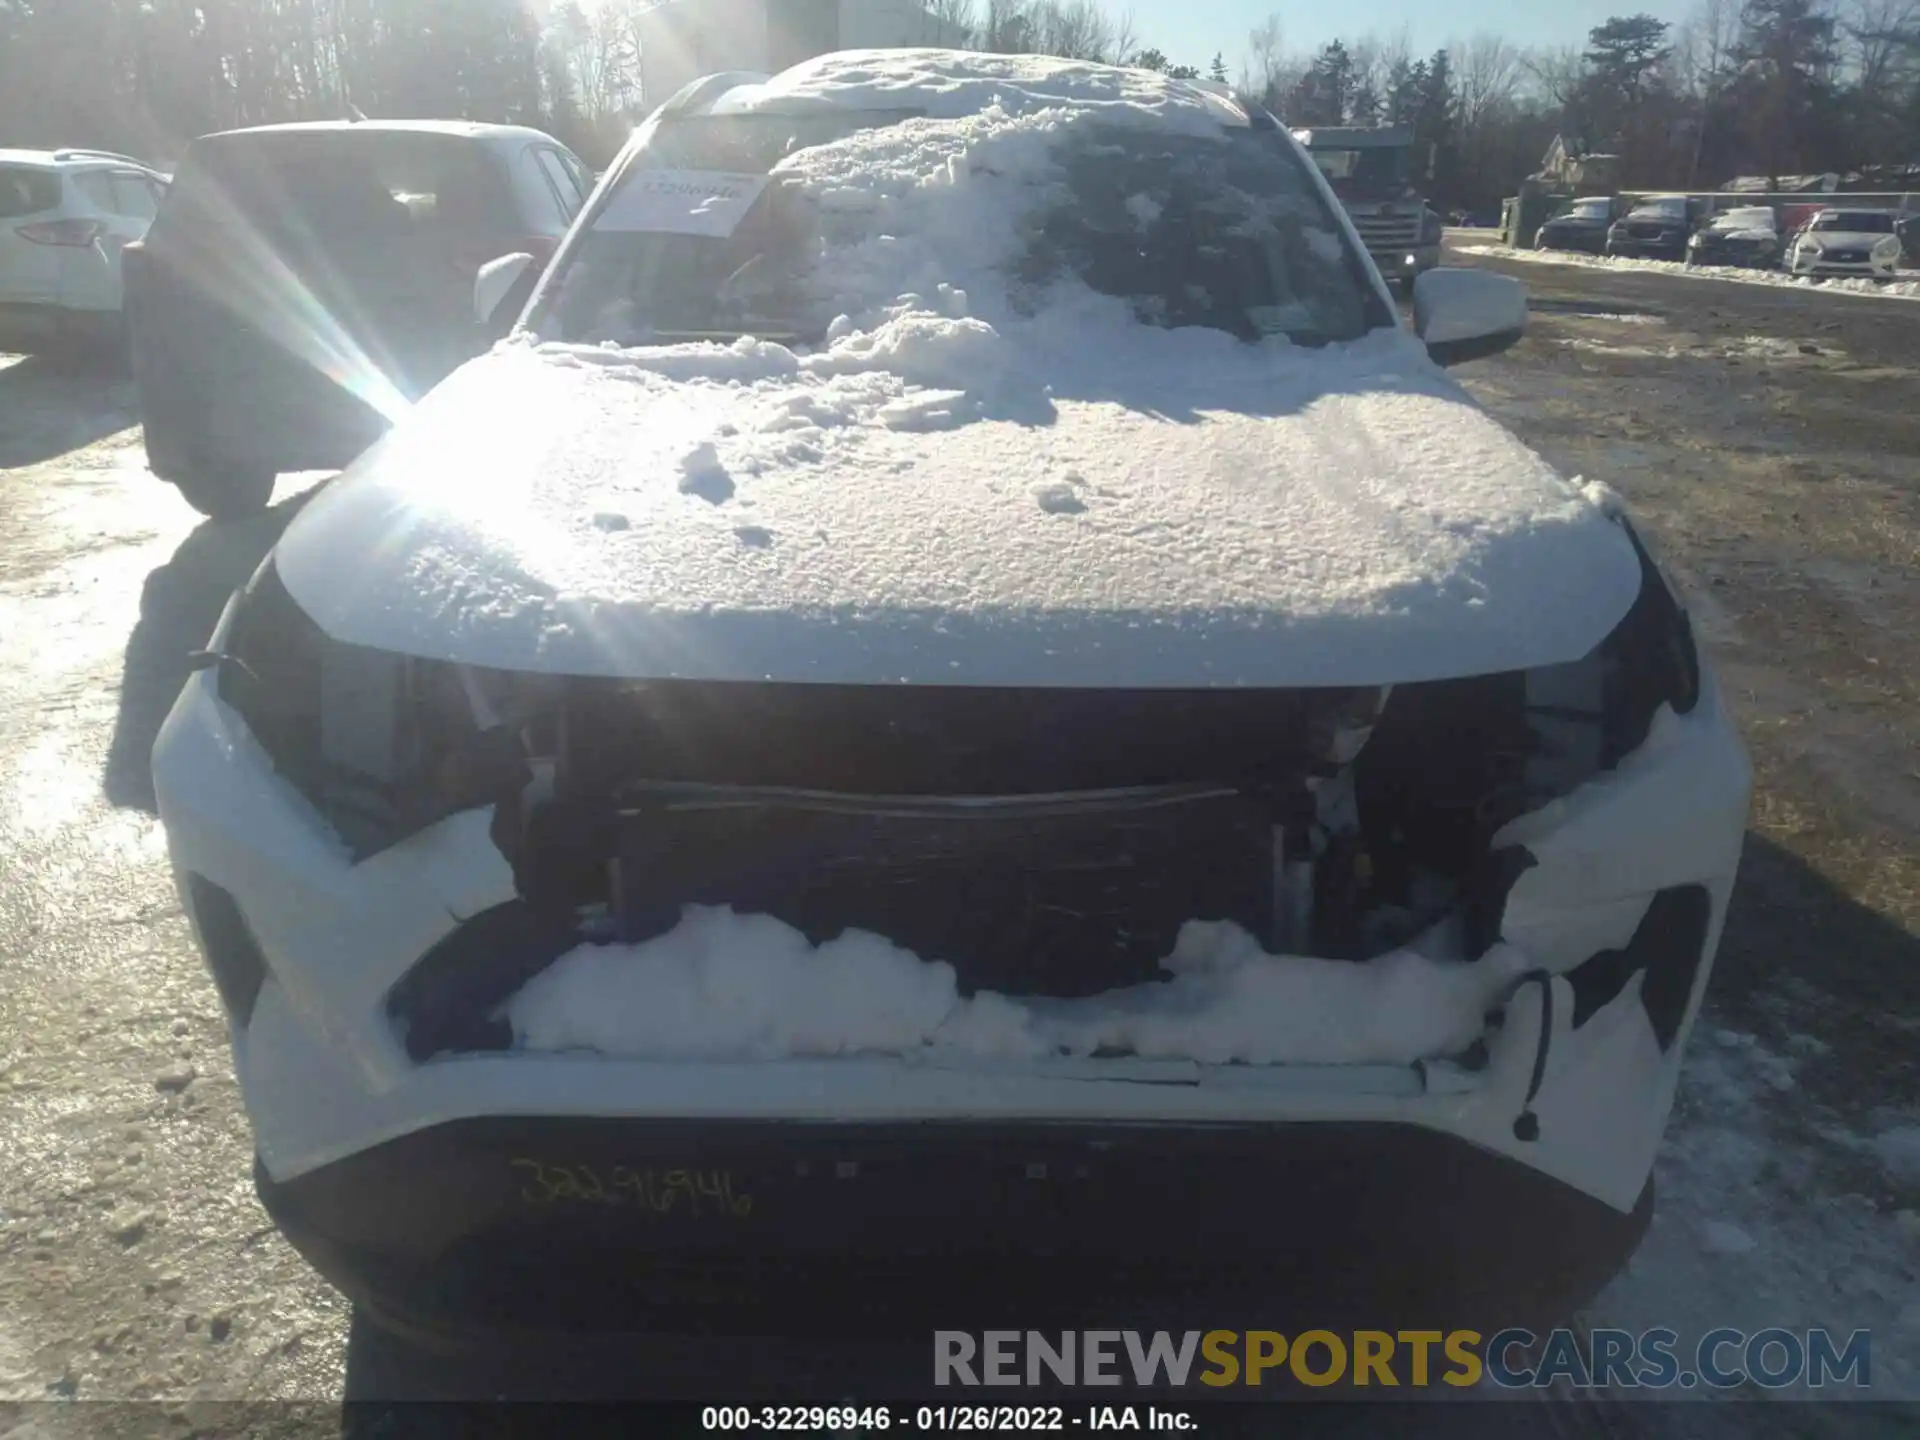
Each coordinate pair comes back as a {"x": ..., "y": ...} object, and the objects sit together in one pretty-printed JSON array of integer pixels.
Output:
[
  {"x": 326, "y": 1076},
  {"x": 480, "y": 1229}
]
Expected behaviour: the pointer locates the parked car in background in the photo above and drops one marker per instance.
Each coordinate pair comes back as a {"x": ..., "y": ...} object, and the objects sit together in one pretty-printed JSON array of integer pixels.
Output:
[
  {"x": 65, "y": 218},
  {"x": 1847, "y": 242},
  {"x": 1747, "y": 237},
  {"x": 1583, "y": 227},
  {"x": 304, "y": 284},
  {"x": 1655, "y": 229}
]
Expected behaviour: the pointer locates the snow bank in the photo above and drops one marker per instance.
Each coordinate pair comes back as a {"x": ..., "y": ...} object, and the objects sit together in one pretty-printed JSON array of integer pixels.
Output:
[
  {"x": 1903, "y": 289},
  {"x": 1761, "y": 1222},
  {"x": 725, "y": 986}
]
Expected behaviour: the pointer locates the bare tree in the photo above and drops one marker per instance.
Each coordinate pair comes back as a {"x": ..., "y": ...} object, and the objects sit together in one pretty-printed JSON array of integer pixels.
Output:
[
  {"x": 1703, "y": 63},
  {"x": 1883, "y": 45},
  {"x": 601, "y": 53},
  {"x": 1486, "y": 75},
  {"x": 960, "y": 16},
  {"x": 1070, "y": 29},
  {"x": 1703, "y": 47},
  {"x": 1559, "y": 72},
  {"x": 1007, "y": 27},
  {"x": 1396, "y": 49},
  {"x": 1265, "y": 70}
]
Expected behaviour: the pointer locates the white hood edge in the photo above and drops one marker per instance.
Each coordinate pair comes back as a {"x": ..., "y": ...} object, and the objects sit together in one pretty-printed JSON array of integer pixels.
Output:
[{"x": 1344, "y": 519}]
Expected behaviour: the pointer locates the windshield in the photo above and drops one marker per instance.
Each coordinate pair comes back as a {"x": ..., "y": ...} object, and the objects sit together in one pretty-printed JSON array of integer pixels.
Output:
[
  {"x": 346, "y": 186},
  {"x": 1589, "y": 210},
  {"x": 1744, "y": 220},
  {"x": 1664, "y": 209},
  {"x": 1369, "y": 166},
  {"x": 1226, "y": 232},
  {"x": 1856, "y": 222}
]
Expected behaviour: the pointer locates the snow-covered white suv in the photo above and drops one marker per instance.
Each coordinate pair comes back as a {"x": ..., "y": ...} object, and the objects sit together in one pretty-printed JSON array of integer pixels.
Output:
[
  {"x": 959, "y": 723},
  {"x": 65, "y": 216}
]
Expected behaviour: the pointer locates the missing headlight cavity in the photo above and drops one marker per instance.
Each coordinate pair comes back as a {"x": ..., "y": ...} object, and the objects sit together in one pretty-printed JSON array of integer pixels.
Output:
[
  {"x": 233, "y": 956},
  {"x": 1652, "y": 657},
  {"x": 380, "y": 744}
]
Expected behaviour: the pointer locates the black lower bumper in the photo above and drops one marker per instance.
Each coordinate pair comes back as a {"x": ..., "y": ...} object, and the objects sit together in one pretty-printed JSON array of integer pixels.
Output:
[
  {"x": 1732, "y": 259},
  {"x": 1645, "y": 250},
  {"x": 490, "y": 1229}
]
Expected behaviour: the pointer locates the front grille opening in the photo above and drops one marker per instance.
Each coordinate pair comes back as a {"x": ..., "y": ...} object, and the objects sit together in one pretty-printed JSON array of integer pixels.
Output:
[{"x": 1045, "y": 844}]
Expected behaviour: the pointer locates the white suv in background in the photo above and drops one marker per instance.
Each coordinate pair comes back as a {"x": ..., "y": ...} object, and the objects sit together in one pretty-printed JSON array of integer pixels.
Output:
[
  {"x": 1848, "y": 242},
  {"x": 65, "y": 215}
]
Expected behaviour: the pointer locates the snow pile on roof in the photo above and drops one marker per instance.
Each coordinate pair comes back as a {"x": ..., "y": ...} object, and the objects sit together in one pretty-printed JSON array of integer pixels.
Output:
[
  {"x": 1907, "y": 288},
  {"x": 951, "y": 85},
  {"x": 725, "y": 986}
]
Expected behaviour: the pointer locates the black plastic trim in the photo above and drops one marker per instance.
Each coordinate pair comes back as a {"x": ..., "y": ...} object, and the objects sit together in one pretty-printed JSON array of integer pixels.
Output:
[
  {"x": 233, "y": 956},
  {"x": 503, "y": 1225},
  {"x": 1668, "y": 944},
  {"x": 1480, "y": 347},
  {"x": 447, "y": 1001}
]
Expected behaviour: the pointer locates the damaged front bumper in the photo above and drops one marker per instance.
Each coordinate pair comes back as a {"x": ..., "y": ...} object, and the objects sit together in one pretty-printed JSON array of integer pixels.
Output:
[
  {"x": 475, "y": 1230},
  {"x": 457, "y": 1184}
]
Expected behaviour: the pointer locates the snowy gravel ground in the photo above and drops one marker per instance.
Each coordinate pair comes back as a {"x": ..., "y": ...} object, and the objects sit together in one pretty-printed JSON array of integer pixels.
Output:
[
  {"x": 1766, "y": 435},
  {"x": 1905, "y": 287}
]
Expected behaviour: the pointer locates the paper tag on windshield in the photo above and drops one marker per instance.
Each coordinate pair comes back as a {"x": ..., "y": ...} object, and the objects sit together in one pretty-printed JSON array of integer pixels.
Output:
[{"x": 682, "y": 202}]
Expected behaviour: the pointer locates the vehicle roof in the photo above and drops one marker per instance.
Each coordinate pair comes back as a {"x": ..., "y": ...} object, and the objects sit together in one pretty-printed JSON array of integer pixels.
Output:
[
  {"x": 71, "y": 156},
  {"x": 937, "y": 81},
  {"x": 459, "y": 129},
  {"x": 1857, "y": 210}
]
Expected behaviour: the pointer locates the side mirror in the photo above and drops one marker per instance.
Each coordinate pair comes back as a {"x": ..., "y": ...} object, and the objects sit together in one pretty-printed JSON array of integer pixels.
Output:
[
  {"x": 496, "y": 281},
  {"x": 1468, "y": 314}
]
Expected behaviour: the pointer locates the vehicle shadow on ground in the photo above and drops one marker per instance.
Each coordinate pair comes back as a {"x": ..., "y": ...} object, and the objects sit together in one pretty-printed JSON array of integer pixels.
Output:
[
  {"x": 50, "y": 406},
  {"x": 179, "y": 606},
  {"x": 1788, "y": 923},
  {"x": 1801, "y": 956}
]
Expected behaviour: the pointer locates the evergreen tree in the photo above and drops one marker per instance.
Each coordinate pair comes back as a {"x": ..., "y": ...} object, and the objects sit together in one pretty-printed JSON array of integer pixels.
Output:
[
  {"x": 1625, "y": 51},
  {"x": 1786, "y": 94}
]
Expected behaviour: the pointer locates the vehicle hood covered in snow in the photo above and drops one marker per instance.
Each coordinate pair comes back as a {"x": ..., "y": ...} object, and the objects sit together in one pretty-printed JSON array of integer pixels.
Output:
[
  {"x": 1241, "y": 515},
  {"x": 954, "y": 488}
]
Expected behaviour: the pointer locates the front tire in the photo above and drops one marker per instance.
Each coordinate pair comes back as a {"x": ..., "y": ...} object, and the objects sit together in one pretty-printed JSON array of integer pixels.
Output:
[{"x": 226, "y": 491}]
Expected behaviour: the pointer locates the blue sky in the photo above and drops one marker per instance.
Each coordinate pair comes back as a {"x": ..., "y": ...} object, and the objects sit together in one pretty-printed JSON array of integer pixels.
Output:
[{"x": 1191, "y": 31}]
